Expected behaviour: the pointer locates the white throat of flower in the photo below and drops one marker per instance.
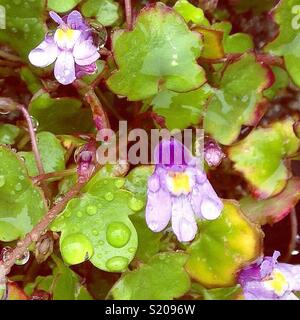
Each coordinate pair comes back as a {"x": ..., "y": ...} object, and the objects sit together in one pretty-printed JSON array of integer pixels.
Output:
[
  {"x": 278, "y": 283},
  {"x": 180, "y": 183}
]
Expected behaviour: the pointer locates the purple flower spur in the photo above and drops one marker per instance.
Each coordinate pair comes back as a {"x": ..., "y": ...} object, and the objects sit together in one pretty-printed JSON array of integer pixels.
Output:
[
  {"x": 179, "y": 191},
  {"x": 71, "y": 47},
  {"x": 270, "y": 280}
]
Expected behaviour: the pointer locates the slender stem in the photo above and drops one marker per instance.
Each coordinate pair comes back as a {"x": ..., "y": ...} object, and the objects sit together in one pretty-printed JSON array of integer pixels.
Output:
[
  {"x": 294, "y": 232},
  {"x": 35, "y": 149},
  {"x": 128, "y": 13},
  {"x": 54, "y": 175},
  {"x": 99, "y": 115},
  {"x": 37, "y": 231}
]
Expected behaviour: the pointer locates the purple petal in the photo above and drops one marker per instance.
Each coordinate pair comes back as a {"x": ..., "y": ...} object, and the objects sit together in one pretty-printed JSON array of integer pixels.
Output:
[
  {"x": 153, "y": 183},
  {"x": 84, "y": 49},
  {"x": 249, "y": 274},
  {"x": 75, "y": 21},
  {"x": 171, "y": 153},
  {"x": 158, "y": 210},
  {"x": 64, "y": 70},
  {"x": 44, "y": 54},
  {"x": 56, "y": 18},
  {"x": 82, "y": 71},
  {"x": 183, "y": 220},
  {"x": 255, "y": 290},
  {"x": 268, "y": 264}
]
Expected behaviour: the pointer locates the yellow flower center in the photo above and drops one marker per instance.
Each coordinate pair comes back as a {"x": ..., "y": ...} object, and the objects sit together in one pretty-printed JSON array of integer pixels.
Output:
[
  {"x": 278, "y": 284},
  {"x": 65, "y": 34},
  {"x": 179, "y": 182}
]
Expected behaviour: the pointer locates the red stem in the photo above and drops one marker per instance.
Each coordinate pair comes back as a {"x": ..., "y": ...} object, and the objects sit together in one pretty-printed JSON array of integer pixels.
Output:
[{"x": 128, "y": 13}]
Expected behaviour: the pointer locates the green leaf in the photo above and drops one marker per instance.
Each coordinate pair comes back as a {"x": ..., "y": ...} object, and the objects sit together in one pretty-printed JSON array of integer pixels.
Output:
[
  {"x": 286, "y": 44},
  {"x": 62, "y": 6},
  {"x": 191, "y": 13},
  {"x": 190, "y": 106},
  {"x": 238, "y": 100},
  {"x": 51, "y": 151},
  {"x": 222, "y": 247},
  {"x": 32, "y": 81},
  {"x": 106, "y": 12},
  {"x": 62, "y": 284},
  {"x": 281, "y": 82},
  {"x": 24, "y": 25},
  {"x": 230, "y": 293},
  {"x": 260, "y": 157},
  {"x": 96, "y": 226},
  {"x": 60, "y": 115},
  {"x": 274, "y": 209},
  {"x": 234, "y": 43},
  {"x": 160, "y": 53},
  {"x": 163, "y": 278},
  {"x": 8, "y": 133},
  {"x": 21, "y": 203}
]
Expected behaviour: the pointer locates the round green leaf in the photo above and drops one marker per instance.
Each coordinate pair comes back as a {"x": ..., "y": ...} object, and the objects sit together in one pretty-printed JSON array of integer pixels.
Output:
[
  {"x": 259, "y": 157},
  {"x": 222, "y": 247},
  {"x": 99, "y": 222},
  {"x": 191, "y": 13},
  {"x": 21, "y": 203},
  {"x": 160, "y": 52},
  {"x": 8, "y": 133},
  {"x": 162, "y": 278}
]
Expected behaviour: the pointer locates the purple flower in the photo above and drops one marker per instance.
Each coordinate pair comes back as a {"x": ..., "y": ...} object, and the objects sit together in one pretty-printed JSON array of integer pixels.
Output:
[
  {"x": 270, "y": 280},
  {"x": 71, "y": 47},
  {"x": 179, "y": 191}
]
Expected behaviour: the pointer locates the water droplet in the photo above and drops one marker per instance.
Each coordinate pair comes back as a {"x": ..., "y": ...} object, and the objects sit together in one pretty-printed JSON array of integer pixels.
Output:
[
  {"x": 119, "y": 183},
  {"x": 91, "y": 210},
  {"x": 101, "y": 243},
  {"x": 35, "y": 123},
  {"x": 76, "y": 248},
  {"x": 14, "y": 30},
  {"x": 17, "y": 2},
  {"x": 136, "y": 204},
  {"x": 2, "y": 181},
  {"x": 21, "y": 177},
  {"x": 109, "y": 196},
  {"x": 118, "y": 234},
  {"x": 18, "y": 187},
  {"x": 95, "y": 232},
  {"x": 5, "y": 253},
  {"x": 99, "y": 255},
  {"x": 117, "y": 264},
  {"x": 132, "y": 250},
  {"x": 26, "y": 27},
  {"x": 79, "y": 214},
  {"x": 24, "y": 259}
]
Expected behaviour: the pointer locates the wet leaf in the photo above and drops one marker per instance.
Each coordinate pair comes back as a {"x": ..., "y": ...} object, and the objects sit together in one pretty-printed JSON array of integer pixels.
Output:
[
  {"x": 189, "y": 105},
  {"x": 51, "y": 151},
  {"x": 260, "y": 157},
  {"x": 21, "y": 203},
  {"x": 238, "y": 101},
  {"x": 106, "y": 12},
  {"x": 191, "y": 13},
  {"x": 62, "y": 6},
  {"x": 230, "y": 293},
  {"x": 222, "y": 247},
  {"x": 274, "y": 209},
  {"x": 24, "y": 25},
  {"x": 96, "y": 226},
  {"x": 160, "y": 53},
  {"x": 281, "y": 82},
  {"x": 8, "y": 133},
  {"x": 162, "y": 278},
  {"x": 60, "y": 115},
  {"x": 286, "y": 44},
  {"x": 15, "y": 293}
]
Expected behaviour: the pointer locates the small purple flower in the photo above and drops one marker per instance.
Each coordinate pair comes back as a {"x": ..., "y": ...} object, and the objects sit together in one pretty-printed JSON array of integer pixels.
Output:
[
  {"x": 270, "y": 280},
  {"x": 179, "y": 191},
  {"x": 71, "y": 47}
]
